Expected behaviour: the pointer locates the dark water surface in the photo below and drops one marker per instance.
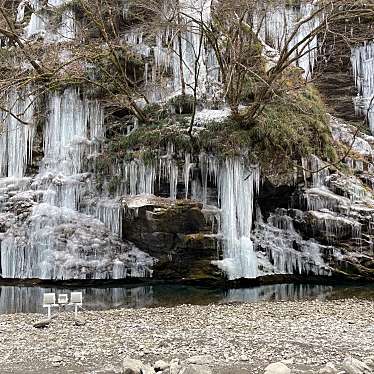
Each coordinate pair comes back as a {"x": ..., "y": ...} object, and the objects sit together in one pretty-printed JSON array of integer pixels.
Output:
[{"x": 16, "y": 299}]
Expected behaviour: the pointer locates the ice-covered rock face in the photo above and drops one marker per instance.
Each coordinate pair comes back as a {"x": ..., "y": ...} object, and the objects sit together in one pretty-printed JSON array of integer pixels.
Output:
[
  {"x": 236, "y": 183},
  {"x": 64, "y": 244},
  {"x": 273, "y": 22},
  {"x": 186, "y": 56},
  {"x": 345, "y": 134},
  {"x": 60, "y": 224},
  {"x": 284, "y": 243},
  {"x": 329, "y": 227}
]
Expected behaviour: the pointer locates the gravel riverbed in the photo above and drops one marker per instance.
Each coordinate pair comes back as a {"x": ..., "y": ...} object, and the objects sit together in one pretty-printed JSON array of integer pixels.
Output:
[{"x": 235, "y": 338}]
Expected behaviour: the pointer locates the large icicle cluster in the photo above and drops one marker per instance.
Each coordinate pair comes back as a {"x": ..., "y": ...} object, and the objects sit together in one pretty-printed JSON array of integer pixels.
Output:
[
  {"x": 40, "y": 24},
  {"x": 49, "y": 237},
  {"x": 236, "y": 183},
  {"x": 362, "y": 59},
  {"x": 270, "y": 249},
  {"x": 182, "y": 55},
  {"x": 16, "y": 134},
  {"x": 334, "y": 208},
  {"x": 282, "y": 250},
  {"x": 237, "y": 187},
  {"x": 276, "y": 21}
]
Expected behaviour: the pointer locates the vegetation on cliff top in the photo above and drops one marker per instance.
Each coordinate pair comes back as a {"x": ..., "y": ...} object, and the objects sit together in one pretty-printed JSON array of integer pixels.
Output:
[{"x": 289, "y": 128}]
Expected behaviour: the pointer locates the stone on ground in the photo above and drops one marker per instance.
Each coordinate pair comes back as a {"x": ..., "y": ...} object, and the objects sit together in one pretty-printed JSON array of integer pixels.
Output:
[
  {"x": 277, "y": 368},
  {"x": 42, "y": 324},
  {"x": 161, "y": 365},
  {"x": 131, "y": 366},
  {"x": 369, "y": 361},
  {"x": 196, "y": 369},
  {"x": 329, "y": 369},
  {"x": 354, "y": 366},
  {"x": 79, "y": 321}
]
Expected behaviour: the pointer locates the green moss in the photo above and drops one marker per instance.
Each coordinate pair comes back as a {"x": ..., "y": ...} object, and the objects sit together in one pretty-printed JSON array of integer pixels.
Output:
[
  {"x": 156, "y": 112},
  {"x": 151, "y": 138},
  {"x": 292, "y": 128},
  {"x": 182, "y": 104}
]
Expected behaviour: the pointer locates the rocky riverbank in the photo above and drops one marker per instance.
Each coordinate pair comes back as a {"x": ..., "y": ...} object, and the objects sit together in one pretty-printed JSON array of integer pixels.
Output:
[{"x": 232, "y": 338}]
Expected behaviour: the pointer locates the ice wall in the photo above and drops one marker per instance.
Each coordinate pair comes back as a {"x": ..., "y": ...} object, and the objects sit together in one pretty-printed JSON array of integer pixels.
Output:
[
  {"x": 237, "y": 184},
  {"x": 249, "y": 249},
  {"x": 328, "y": 210},
  {"x": 282, "y": 250}
]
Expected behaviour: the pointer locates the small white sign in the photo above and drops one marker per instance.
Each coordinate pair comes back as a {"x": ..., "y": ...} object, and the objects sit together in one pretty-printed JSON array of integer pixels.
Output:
[
  {"x": 63, "y": 298},
  {"x": 76, "y": 298},
  {"x": 49, "y": 299}
]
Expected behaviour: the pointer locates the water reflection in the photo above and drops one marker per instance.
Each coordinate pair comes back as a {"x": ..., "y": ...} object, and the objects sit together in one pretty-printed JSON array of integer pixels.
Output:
[
  {"x": 279, "y": 292},
  {"x": 29, "y": 299}
]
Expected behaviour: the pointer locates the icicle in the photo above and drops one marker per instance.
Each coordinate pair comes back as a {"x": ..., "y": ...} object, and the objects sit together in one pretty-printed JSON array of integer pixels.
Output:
[
  {"x": 66, "y": 31},
  {"x": 57, "y": 241},
  {"x": 276, "y": 252},
  {"x": 110, "y": 213},
  {"x": 187, "y": 170}
]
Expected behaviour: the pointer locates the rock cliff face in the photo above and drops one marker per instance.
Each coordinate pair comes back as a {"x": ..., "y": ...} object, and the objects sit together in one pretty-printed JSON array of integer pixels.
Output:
[
  {"x": 88, "y": 191},
  {"x": 180, "y": 234}
]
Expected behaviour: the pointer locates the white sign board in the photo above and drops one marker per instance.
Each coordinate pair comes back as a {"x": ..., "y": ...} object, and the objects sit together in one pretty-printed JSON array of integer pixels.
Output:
[
  {"x": 49, "y": 298},
  {"x": 63, "y": 298},
  {"x": 76, "y": 298}
]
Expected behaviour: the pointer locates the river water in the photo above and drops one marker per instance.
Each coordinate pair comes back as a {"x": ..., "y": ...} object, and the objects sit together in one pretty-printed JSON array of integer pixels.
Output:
[{"x": 15, "y": 299}]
